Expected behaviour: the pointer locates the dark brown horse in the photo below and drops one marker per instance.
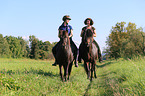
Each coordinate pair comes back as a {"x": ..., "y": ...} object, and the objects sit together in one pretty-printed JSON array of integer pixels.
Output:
[
  {"x": 88, "y": 52},
  {"x": 64, "y": 55}
]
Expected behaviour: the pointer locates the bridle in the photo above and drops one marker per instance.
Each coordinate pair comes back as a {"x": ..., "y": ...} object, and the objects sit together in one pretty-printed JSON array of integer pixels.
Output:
[
  {"x": 85, "y": 38},
  {"x": 64, "y": 39}
]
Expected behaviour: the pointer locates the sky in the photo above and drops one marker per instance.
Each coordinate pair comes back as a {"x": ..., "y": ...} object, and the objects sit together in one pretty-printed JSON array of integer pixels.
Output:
[{"x": 42, "y": 18}]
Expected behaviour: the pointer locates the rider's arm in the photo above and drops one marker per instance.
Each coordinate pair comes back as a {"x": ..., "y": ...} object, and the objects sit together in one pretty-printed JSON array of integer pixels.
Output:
[
  {"x": 81, "y": 33},
  {"x": 95, "y": 33},
  {"x": 71, "y": 33}
]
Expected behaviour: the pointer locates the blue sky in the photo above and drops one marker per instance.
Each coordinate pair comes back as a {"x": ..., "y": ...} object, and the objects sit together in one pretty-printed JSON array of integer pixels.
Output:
[{"x": 43, "y": 17}]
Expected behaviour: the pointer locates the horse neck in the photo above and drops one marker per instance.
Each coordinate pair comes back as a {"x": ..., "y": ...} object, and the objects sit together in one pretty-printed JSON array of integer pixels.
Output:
[
  {"x": 67, "y": 43},
  {"x": 88, "y": 49}
]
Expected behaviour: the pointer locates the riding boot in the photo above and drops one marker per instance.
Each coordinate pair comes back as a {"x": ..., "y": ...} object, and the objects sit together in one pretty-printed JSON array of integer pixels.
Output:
[
  {"x": 100, "y": 57},
  {"x": 76, "y": 59},
  {"x": 55, "y": 63},
  {"x": 79, "y": 57},
  {"x": 54, "y": 50},
  {"x": 99, "y": 51},
  {"x": 74, "y": 51}
]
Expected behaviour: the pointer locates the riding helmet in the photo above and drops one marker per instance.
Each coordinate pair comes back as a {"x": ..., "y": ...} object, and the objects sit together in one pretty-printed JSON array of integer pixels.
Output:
[{"x": 66, "y": 17}]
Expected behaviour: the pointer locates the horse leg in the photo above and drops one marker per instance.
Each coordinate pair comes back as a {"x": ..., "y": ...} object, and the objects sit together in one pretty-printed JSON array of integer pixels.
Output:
[
  {"x": 65, "y": 72},
  {"x": 85, "y": 66},
  {"x": 88, "y": 69},
  {"x": 69, "y": 70},
  {"x": 95, "y": 70},
  {"x": 60, "y": 68},
  {"x": 92, "y": 69},
  {"x": 75, "y": 55}
]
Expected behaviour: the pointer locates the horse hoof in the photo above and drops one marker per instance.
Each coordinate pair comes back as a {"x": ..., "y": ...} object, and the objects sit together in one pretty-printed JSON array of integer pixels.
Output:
[
  {"x": 62, "y": 79},
  {"x": 76, "y": 65},
  {"x": 91, "y": 79}
]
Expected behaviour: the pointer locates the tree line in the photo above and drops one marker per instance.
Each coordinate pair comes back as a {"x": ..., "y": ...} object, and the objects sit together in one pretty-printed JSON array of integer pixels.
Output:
[
  {"x": 17, "y": 47},
  {"x": 125, "y": 41}
]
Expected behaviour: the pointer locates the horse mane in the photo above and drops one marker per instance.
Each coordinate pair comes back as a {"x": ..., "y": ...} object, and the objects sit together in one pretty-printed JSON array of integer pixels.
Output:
[
  {"x": 87, "y": 34},
  {"x": 64, "y": 34}
]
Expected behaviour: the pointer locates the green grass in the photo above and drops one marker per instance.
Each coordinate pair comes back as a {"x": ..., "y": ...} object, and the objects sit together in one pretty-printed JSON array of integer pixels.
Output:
[{"x": 25, "y": 77}]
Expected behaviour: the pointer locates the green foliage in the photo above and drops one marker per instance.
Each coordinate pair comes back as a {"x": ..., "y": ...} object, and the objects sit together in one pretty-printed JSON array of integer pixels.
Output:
[
  {"x": 17, "y": 47},
  {"x": 34, "y": 54},
  {"x": 4, "y": 47},
  {"x": 124, "y": 41},
  {"x": 40, "y": 49},
  {"x": 9, "y": 83}
]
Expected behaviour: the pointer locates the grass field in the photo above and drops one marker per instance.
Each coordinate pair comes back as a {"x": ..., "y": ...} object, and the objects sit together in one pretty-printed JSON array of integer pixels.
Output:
[{"x": 25, "y": 77}]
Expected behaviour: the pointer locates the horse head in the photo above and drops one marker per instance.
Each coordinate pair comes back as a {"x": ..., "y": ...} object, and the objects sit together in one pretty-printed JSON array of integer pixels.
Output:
[
  {"x": 87, "y": 37},
  {"x": 64, "y": 38}
]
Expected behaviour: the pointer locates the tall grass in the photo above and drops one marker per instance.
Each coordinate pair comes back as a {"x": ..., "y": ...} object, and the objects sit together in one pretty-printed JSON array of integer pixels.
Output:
[{"x": 37, "y": 77}]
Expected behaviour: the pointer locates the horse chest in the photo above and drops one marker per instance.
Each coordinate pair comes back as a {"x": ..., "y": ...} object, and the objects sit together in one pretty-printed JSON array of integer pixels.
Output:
[{"x": 64, "y": 56}]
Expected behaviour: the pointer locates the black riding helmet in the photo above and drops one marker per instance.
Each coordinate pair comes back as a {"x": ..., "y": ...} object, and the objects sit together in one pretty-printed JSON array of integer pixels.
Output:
[{"x": 66, "y": 17}]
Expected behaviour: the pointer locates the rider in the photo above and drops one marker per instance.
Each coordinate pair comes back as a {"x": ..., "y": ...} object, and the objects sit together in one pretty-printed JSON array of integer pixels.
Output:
[
  {"x": 66, "y": 27},
  {"x": 89, "y": 22}
]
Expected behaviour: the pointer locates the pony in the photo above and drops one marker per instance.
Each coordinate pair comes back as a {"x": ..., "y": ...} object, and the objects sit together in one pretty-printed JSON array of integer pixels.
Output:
[
  {"x": 64, "y": 55},
  {"x": 88, "y": 52}
]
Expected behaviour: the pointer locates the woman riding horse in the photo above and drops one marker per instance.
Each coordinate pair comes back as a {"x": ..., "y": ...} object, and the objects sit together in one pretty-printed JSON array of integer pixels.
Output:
[
  {"x": 66, "y": 27},
  {"x": 89, "y": 22}
]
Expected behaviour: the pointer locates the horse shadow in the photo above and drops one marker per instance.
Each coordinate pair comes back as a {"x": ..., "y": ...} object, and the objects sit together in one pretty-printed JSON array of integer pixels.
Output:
[
  {"x": 49, "y": 73},
  {"x": 88, "y": 88},
  {"x": 104, "y": 64},
  {"x": 98, "y": 65},
  {"x": 31, "y": 71}
]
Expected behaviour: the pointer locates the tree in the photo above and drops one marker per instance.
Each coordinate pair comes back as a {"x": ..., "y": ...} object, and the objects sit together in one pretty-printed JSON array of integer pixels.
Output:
[
  {"x": 133, "y": 44},
  {"x": 114, "y": 41},
  {"x": 34, "y": 50},
  {"x": 124, "y": 41},
  {"x": 4, "y": 47},
  {"x": 24, "y": 47}
]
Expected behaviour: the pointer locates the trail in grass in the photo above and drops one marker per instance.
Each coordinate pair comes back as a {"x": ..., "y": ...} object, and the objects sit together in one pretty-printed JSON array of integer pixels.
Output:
[{"x": 104, "y": 84}]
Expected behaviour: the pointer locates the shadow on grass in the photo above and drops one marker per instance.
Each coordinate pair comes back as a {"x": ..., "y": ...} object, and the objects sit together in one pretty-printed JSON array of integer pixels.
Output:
[
  {"x": 50, "y": 74},
  {"x": 98, "y": 65},
  {"x": 31, "y": 71},
  {"x": 88, "y": 88},
  {"x": 104, "y": 64}
]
